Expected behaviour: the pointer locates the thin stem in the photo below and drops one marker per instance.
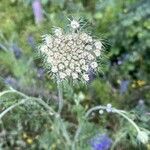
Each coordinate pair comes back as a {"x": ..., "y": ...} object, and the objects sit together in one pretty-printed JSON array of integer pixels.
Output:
[
  {"x": 78, "y": 131},
  {"x": 60, "y": 95},
  {"x": 12, "y": 107},
  {"x": 127, "y": 118},
  {"x": 120, "y": 112},
  {"x": 94, "y": 109},
  {"x": 40, "y": 101}
]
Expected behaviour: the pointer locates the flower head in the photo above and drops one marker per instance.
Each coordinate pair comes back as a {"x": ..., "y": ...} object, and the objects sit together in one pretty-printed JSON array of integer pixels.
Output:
[
  {"x": 101, "y": 142},
  {"x": 70, "y": 55}
]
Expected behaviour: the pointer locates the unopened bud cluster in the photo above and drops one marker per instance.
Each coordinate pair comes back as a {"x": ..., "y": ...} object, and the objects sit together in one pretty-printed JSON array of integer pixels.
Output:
[{"x": 71, "y": 55}]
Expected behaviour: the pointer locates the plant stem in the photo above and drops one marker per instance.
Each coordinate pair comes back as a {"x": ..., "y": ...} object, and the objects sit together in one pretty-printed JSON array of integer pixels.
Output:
[
  {"x": 60, "y": 95},
  {"x": 127, "y": 118},
  {"x": 40, "y": 101},
  {"x": 11, "y": 107}
]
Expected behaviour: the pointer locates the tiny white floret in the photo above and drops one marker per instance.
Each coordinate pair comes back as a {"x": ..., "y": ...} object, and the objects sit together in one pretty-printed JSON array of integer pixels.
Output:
[
  {"x": 74, "y": 75},
  {"x": 54, "y": 69},
  {"x": 86, "y": 77},
  {"x": 97, "y": 52},
  {"x": 94, "y": 65},
  {"x": 75, "y": 24},
  {"x": 58, "y": 32},
  {"x": 98, "y": 44}
]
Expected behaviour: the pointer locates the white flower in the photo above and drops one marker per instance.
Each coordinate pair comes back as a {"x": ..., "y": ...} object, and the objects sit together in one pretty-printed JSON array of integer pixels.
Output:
[
  {"x": 49, "y": 59},
  {"x": 98, "y": 45},
  {"x": 89, "y": 39},
  {"x": 62, "y": 75},
  {"x": 71, "y": 66},
  {"x": 68, "y": 57},
  {"x": 57, "y": 41},
  {"x": 82, "y": 61},
  {"x": 70, "y": 54},
  {"x": 83, "y": 36},
  {"x": 86, "y": 77},
  {"x": 58, "y": 32},
  {"x": 90, "y": 57},
  {"x": 66, "y": 62},
  {"x": 50, "y": 54},
  {"x": 68, "y": 72},
  {"x": 79, "y": 42},
  {"x": 88, "y": 47},
  {"x": 54, "y": 69},
  {"x": 77, "y": 69},
  {"x": 54, "y": 49},
  {"x": 74, "y": 75},
  {"x": 48, "y": 39},
  {"x": 44, "y": 49},
  {"x": 94, "y": 65},
  {"x": 85, "y": 67},
  {"x": 61, "y": 66},
  {"x": 97, "y": 52},
  {"x": 75, "y": 24}
]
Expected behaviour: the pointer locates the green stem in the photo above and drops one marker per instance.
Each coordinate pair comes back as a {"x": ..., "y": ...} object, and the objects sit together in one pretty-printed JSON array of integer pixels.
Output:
[
  {"x": 127, "y": 118},
  {"x": 60, "y": 95},
  {"x": 12, "y": 107},
  {"x": 40, "y": 101}
]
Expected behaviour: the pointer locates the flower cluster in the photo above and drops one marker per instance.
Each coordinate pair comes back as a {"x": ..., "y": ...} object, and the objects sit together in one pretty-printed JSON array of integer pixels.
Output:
[
  {"x": 71, "y": 55},
  {"x": 101, "y": 142}
]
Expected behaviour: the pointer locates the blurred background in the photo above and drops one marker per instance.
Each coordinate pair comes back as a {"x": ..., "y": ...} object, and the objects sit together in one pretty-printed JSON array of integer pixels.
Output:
[{"x": 124, "y": 81}]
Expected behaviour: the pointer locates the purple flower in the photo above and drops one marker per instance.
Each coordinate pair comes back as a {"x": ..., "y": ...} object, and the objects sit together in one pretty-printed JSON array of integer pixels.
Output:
[
  {"x": 101, "y": 142},
  {"x": 37, "y": 10},
  {"x": 124, "y": 86},
  {"x": 17, "y": 50},
  {"x": 31, "y": 41},
  {"x": 40, "y": 73},
  {"x": 10, "y": 81}
]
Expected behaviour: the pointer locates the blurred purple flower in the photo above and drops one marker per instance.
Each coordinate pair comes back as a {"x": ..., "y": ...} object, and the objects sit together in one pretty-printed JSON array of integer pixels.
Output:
[
  {"x": 37, "y": 10},
  {"x": 91, "y": 74},
  {"x": 16, "y": 50},
  {"x": 124, "y": 86},
  {"x": 119, "y": 62},
  {"x": 10, "y": 81},
  {"x": 101, "y": 142},
  {"x": 31, "y": 41},
  {"x": 40, "y": 73}
]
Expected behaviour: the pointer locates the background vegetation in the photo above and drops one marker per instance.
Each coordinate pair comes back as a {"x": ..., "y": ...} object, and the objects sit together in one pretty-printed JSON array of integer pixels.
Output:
[{"x": 123, "y": 26}]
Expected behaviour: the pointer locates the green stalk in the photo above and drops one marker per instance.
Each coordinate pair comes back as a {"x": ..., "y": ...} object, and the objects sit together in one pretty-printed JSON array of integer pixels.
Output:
[{"x": 60, "y": 95}]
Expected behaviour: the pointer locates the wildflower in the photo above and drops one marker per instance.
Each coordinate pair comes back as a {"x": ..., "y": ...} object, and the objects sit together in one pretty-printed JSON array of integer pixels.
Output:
[
  {"x": 86, "y": 77},
  {"x": 37, "y": 10},
  {"x": 94, "y": 65},
  {"x": 70, "y": 55},
  {"x": 17, "y": 50},
  {"x": 124, "y": 86},
  {"x": 101, "y": 142},
  {"x": 75, "y": 24}
]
